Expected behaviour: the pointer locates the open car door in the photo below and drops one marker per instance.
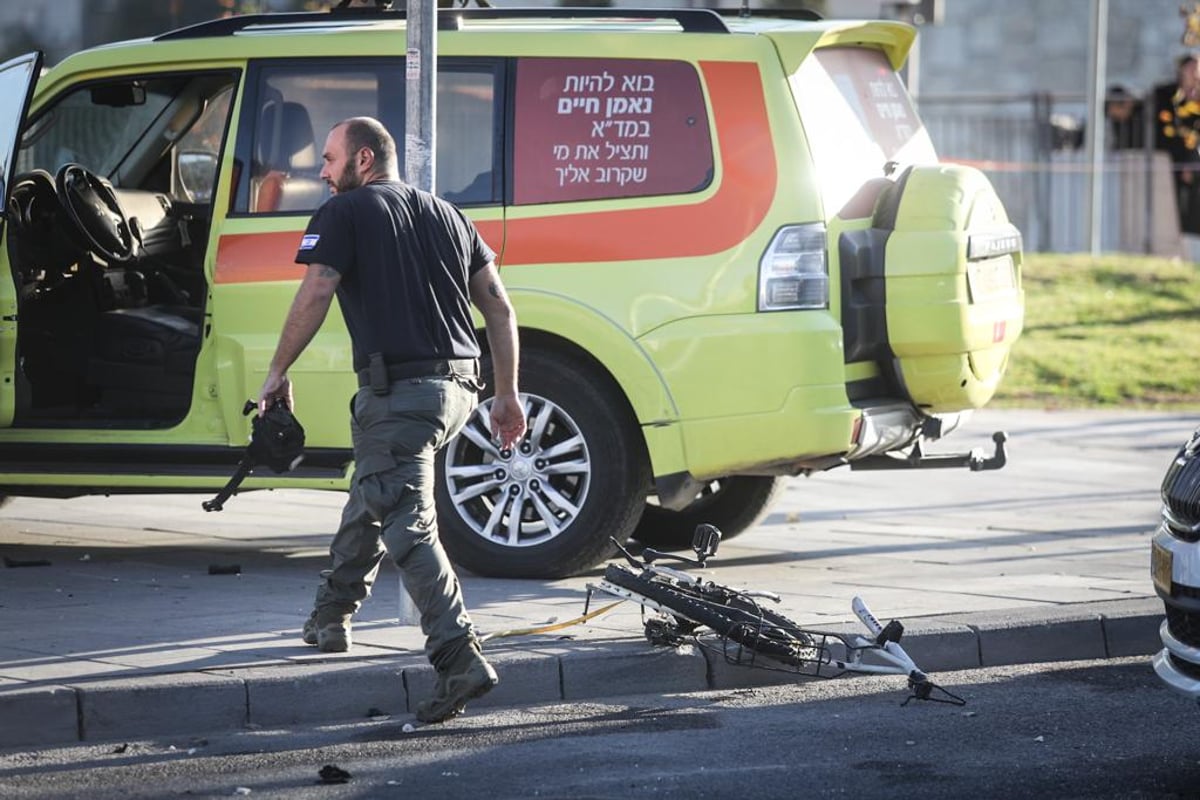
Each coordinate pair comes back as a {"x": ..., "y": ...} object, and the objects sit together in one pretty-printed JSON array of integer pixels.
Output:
[{"x": 17, "y": 79}]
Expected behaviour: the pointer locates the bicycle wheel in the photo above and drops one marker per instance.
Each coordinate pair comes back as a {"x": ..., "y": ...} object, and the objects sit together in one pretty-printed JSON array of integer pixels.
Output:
[{"x": 730, "y": 615}]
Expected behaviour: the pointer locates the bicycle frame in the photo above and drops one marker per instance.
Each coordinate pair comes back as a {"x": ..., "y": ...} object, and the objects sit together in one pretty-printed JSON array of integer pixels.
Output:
[
  {"x": 898, "y": 662},
  {"x": 833, "y": 653}
]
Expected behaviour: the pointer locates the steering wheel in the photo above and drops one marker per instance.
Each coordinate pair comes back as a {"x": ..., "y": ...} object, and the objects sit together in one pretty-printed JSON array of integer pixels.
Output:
[{"x": 97, "y": 214}]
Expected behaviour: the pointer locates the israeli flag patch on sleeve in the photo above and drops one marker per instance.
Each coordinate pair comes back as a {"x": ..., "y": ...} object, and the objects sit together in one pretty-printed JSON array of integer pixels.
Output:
[{"x": 309, "y": 241}]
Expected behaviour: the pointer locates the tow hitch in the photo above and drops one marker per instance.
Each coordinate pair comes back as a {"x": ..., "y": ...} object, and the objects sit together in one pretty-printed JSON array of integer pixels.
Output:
[{"x": 916, "y": 458}]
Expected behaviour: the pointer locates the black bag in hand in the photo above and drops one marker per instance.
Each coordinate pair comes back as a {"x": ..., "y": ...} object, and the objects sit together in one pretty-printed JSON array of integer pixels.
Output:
[
  {"x": 276, "y": 437},
  {"x": 276, "y": 440}
]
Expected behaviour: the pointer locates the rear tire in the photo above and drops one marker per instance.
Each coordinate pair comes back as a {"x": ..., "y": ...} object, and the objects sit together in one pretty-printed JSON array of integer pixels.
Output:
[
  {"x": 734, "y": 504},
  {"x": 579, "y": 476},
  {"x": 730, "y": 615}
]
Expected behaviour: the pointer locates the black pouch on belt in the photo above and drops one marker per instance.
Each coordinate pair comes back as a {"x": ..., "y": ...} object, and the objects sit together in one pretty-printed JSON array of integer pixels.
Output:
[{"x": 378, "y": 371}]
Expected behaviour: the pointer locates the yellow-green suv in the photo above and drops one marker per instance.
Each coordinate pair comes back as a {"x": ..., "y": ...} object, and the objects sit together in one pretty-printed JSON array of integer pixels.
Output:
[{"x": 733, "y": 252}]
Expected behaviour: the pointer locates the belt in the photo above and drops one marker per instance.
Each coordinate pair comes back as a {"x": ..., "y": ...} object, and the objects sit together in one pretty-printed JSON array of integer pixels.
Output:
[{"x": 466, "y": 367}]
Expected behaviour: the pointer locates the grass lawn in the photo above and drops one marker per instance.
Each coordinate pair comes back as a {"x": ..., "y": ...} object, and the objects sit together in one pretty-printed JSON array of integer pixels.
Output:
[{"x": 1116, "y": 331}]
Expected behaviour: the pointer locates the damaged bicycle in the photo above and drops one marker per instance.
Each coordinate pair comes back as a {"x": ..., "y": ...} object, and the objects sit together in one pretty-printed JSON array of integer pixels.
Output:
[{"x": 735, "y": 623}]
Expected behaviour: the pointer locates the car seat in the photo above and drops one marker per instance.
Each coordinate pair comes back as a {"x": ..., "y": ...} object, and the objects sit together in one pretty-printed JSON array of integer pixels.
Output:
[
  {"x": 144, "y": 360},
  {"x": 287, "y": 160}
]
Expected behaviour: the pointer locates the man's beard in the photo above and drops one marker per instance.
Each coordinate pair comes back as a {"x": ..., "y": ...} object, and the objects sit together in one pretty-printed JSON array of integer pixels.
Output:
[{"x": 349, "y": 179}]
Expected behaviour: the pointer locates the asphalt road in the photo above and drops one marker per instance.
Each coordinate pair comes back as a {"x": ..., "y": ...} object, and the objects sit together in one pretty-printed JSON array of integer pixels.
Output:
[{"x": 1069, "y": 730}]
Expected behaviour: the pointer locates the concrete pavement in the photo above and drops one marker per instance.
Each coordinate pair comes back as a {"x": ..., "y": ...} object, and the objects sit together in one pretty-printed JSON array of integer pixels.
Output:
[{"x": 132, "y": 617}]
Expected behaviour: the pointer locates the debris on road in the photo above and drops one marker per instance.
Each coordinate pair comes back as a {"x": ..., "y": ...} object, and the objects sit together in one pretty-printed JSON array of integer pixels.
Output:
[
  {"x": 25, "y": 562},
  {"x": 331, "y": 773}
]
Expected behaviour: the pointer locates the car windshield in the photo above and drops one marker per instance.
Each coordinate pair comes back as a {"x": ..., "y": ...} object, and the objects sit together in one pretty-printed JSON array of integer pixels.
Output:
[
  {"x": 96, "y": 126},
  {"x": 857, "y": 116}
]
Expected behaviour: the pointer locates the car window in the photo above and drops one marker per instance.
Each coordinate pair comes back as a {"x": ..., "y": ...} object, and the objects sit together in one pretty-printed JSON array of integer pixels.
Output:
[
  {"x": 857, "y": 116},
  {"x": 17, "y": 79},
  {"x": 468, "y": 118},
  {"x": 297, "y": 104},
  {"x": 134, "y": 131},
  {"x": 96, "y": 126},
  {"x": 597, "y": 128}
]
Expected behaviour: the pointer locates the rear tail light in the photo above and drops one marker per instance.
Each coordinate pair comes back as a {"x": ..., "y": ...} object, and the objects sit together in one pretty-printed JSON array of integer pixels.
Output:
[{"x": 794, "y": 271}]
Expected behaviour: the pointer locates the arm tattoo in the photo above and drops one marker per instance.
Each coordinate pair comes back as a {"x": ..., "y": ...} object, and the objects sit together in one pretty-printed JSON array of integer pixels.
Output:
[
  {"x": 328, "y": 272},
  {"x": 495, "y": 290}
]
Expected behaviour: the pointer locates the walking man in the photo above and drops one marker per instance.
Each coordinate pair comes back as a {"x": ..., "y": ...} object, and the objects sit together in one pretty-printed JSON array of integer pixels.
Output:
[{"x": 405, "y": 266}]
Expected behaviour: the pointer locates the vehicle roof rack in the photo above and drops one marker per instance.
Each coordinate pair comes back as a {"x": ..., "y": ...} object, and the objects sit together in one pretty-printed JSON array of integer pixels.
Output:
[
  {"x": 690, "y": 20},
  {"x": 806, "y": 14},
  {"x": 227, "y": 26}
]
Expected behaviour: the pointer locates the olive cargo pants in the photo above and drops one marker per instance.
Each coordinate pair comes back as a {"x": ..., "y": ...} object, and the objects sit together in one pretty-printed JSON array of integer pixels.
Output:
[{"x": 391, "y": 508}]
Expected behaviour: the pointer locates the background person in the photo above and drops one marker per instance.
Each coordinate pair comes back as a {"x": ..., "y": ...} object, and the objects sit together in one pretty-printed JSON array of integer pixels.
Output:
[
  {"x": 403, "y": 264},
  {"x": 1126, "y": 119},
  {"x": 1178, "y": 132}
]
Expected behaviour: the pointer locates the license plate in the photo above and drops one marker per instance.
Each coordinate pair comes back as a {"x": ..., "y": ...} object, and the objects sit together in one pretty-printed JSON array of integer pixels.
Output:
[
  {"x": 1160, "y": 567},
  {"x": 990, "y": 277}
]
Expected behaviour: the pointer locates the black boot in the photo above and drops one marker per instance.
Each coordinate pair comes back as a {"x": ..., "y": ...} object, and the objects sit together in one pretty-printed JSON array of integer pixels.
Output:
[
  {"x": 467, "y": 676},
  {"x": 329, "y": 631}
]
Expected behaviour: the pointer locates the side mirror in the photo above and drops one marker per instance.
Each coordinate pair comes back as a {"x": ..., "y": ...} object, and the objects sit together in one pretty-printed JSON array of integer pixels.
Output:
[{"x": 197, "y": 174}]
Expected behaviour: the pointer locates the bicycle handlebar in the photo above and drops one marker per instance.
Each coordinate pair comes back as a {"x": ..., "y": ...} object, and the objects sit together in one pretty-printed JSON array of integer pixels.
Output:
[{"x": 650, "y": 555}]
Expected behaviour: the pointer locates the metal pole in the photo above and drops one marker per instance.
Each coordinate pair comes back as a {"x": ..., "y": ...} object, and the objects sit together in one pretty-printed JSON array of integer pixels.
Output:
[
  {"x": 1041, "y": 227},
  {"x": 420, "y": 132},
  {"x": 1149, "y": 120},
  {"x": 1097, "y": 69},
  {"x": 420, "y": 95}
]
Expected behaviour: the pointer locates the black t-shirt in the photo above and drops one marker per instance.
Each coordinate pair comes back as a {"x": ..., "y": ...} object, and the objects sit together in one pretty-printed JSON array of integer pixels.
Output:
[{"x": 405, "y": 257}]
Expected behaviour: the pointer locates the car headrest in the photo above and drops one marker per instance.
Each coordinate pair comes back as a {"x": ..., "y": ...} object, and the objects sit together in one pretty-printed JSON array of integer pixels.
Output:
[{"x": 285, "y": 140}]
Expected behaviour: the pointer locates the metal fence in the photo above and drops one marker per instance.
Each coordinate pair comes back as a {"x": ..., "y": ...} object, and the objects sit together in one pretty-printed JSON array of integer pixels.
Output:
[{"x": 1031, "y": 147}]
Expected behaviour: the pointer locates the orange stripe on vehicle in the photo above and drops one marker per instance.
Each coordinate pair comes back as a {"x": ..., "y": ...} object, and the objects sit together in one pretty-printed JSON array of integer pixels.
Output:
[
  {"x": 258, "y": 257},
  {"x": 722, "y": 221},
  {"x": 251, "y": 257}
]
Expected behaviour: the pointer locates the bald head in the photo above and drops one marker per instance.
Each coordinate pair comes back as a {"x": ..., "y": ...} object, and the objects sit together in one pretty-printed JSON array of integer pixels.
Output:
[
  {"x": 358, "y": 150},
  {"x": 369, "y": 133}
]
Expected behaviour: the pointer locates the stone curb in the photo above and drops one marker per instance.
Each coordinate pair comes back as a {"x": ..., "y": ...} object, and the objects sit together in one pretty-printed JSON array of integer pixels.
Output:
[{"x": 190, "y": 704}]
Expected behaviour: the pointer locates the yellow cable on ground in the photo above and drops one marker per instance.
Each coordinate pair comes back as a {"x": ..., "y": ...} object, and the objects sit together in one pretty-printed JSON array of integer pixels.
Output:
[{"x": 547, "y": 628}]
